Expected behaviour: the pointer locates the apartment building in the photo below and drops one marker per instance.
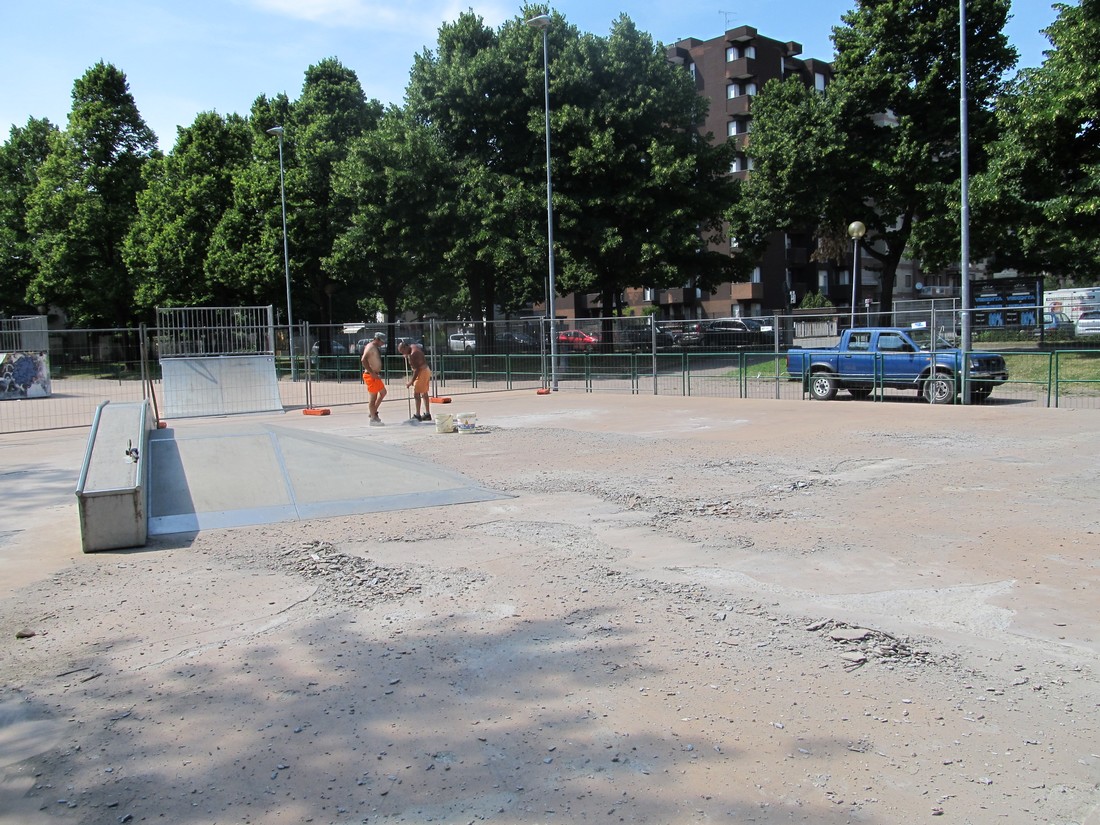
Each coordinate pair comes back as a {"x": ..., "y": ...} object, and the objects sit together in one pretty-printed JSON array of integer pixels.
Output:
[{"x": 730, "y": 70}]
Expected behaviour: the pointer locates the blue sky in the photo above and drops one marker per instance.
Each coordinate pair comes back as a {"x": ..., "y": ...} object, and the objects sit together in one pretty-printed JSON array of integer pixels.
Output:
[{"x": 183, "y": 57}]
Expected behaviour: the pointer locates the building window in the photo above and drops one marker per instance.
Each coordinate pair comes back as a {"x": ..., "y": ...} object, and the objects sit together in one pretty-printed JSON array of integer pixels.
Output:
[
  {"x": 731, "y": 128},
  {"x": 750, "y": 164},
  {"x": 738, "y": 164},
  {"x": 691, "y": 68},
  {"x": 732, "y": 91},
  {"x": 750, "y": 88},
  {"x": 823, "y": 281},
  {"x": 731, "y": 53},
  {"x": 750, "y": 51},
  {"x": 755, "y": 278},
  {"x": 819, "y": 81}
]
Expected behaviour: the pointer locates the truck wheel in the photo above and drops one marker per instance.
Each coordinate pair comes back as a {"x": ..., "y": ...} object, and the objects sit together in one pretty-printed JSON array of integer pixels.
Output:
[
  {"x": 823, "y": 386},
  {"x": 939, "y": 389}
]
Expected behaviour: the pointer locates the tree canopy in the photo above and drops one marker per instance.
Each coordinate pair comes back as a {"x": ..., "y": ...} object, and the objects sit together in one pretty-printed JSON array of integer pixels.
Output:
[
  {"x": 85, "y": 199},
  {"x": 885, "y": 147},
  {"x": 1044, "y": 178}
]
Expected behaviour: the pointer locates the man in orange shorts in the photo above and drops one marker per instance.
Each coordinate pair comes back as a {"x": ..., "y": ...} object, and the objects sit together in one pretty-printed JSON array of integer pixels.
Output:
[
  {"x": 372, "y": 375},
  {"x": 421, "y": 378}
]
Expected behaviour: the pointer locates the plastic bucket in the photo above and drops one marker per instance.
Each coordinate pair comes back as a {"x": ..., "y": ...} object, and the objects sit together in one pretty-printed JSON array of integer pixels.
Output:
[
  {"x": 444, "y": 423},
  {"x": 467, "y": 422}
]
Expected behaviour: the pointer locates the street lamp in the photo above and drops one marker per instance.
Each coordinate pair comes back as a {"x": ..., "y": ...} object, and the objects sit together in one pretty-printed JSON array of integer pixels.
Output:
[
  {"x": 543, "y": 22},
  {"x": 278, "y": 131},
  {"x": 856, "y": 230}
]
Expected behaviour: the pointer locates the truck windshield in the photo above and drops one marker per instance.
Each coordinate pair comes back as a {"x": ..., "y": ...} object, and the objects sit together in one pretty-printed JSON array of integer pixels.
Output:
[{"x": 923, "y": 338}]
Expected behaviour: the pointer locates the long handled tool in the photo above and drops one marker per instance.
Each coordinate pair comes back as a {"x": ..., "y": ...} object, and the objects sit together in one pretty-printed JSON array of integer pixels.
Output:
[{"x": 408, "y": 394}]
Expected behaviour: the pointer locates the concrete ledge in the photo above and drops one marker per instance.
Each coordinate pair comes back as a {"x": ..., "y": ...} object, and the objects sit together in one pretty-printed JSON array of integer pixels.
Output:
[{"x": 113, "y": 487}]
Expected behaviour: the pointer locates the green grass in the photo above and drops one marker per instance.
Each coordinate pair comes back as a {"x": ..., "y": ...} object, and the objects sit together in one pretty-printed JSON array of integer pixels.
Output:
[{"x": 1076, "y": 372}]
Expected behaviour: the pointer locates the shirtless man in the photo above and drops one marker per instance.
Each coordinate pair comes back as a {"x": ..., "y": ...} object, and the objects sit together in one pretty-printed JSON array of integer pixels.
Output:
[
  {"x": 372, "y": 375},
  {"x": 421, "y": 377}
]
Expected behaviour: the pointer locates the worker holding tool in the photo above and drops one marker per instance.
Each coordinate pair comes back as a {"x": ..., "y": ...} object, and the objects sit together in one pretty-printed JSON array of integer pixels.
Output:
[{"x": 420, "y": 379}]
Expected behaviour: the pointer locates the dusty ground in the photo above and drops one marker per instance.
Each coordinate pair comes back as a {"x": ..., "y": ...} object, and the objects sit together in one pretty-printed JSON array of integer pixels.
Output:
[{"x": 692, "y": 610}]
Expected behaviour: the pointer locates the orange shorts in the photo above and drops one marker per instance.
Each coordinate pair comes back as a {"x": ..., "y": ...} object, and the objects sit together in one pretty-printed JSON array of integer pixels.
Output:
[
  {"x": 423, "y": 379},
  {"x": 374, "y": 385}
]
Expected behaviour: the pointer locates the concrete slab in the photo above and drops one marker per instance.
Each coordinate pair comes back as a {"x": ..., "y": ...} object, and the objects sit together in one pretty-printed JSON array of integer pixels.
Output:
[{"x": 259, "y": 473}]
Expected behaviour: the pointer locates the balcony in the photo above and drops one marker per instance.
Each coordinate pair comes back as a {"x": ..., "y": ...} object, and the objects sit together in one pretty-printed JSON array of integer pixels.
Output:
[
  {"x": 741, "y": 69},
  {"x": 739, "y": 105},
  {"x": 680, "y": 295},
  {"x": 742, "y": 34},
  {"x": 746, "y": 292}
]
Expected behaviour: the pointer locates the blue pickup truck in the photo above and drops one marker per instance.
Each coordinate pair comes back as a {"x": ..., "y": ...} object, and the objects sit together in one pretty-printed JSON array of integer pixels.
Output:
[{"x": 875, "y": 357}]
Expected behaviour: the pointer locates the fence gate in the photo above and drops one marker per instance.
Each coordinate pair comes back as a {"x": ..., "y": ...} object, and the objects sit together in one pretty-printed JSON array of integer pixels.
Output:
[{"x": 217, "y": 361}]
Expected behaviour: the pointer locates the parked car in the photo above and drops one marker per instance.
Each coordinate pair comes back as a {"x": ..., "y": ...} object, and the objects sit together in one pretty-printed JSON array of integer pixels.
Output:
[
  {"x": 361, "y": 344},
  {"x": 328, "y": 348},
  {"x": 689, "y": 335},
  {"x": 462, "y": 342},
  {"x": 515, "y": 342},
  {"x": 1055, "y": 324},
  {"x": 1089, "y": 322},
  {"x": 575, "y": 340},
  {"x": 735, "y": 333},
  {"x": 641, "y": 339}
]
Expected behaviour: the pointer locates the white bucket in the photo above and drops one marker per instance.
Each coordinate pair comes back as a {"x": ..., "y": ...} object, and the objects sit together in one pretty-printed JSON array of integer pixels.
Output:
[
  {"x": 467, "y": 422},
  {"x": 444, "y": 423}
]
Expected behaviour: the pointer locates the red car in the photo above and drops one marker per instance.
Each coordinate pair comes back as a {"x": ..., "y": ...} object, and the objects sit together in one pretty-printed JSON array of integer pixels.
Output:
[{"x": 574, "y": 340}]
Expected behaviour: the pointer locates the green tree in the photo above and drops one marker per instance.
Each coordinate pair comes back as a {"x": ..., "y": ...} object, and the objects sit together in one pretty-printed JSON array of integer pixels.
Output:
[
  {"x": 478, "y": 90},
  {"x": 20, "y": 159},
  {"x": 394, "y": 184},
  {"x": 1044, "y": 179},
  {"x": 798, "y": 181},
  {"x": 331, "y": 113},
  {"x": 638, "y": 192},
  {"x": 888, "y": 146},
  {"x": 245, "y": 254},
  {"x": 85, "y": 200},
  {"x": 186, "y": 194}
]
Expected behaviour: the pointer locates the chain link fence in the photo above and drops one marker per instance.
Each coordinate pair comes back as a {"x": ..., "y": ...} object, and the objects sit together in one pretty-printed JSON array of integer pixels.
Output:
[{"x": 637, "y": 355}]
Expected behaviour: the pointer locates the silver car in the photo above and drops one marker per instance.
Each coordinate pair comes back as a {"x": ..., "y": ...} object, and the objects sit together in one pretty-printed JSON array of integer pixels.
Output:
[{"x": 1089, "y": 323}]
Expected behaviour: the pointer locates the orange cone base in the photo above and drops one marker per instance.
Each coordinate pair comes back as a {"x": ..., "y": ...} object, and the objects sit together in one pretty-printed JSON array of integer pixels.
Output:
[
  {"x": 446, "y": 399},
  {"x": 317, "y": 411},
  {"x": 542, "y": 391}
]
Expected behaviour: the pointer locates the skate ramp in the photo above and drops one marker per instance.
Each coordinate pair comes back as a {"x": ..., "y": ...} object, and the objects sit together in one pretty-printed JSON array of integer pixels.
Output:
[{"x": 261, "y": 474}]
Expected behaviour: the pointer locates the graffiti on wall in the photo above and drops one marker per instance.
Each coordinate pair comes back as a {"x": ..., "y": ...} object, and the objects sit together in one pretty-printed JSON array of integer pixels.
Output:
[{"x": 24, "y": 375}]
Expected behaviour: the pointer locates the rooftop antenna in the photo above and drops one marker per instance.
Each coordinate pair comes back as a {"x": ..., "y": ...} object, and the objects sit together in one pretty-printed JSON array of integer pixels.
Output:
[{"x": 727, "y": 15}]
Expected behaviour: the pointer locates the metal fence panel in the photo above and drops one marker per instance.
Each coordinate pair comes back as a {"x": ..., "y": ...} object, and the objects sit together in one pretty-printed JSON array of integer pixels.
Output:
[{"x": 90, "y": 366}]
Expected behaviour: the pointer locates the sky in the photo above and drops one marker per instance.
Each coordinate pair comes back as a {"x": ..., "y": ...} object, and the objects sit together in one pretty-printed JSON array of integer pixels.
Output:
[{"x": 183, "y": 57}]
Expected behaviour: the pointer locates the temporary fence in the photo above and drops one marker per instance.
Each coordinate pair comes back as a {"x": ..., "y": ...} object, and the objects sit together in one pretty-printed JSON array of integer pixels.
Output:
[{"x": 637, "y": 355}]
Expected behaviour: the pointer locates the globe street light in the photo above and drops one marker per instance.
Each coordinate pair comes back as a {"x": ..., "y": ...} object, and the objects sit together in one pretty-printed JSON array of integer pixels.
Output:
[
  {"x": 543, "y": 22},
  {"x": 856, "y": 230},
  {"x": 278, "y": 131}
]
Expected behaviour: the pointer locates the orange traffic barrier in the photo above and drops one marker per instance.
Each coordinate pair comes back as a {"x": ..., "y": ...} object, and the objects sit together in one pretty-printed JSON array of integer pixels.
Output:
[
  {"x": 542, "y": 391},
  {"x": 446, "y": 399},
  {"x": 316, "y": 411}
]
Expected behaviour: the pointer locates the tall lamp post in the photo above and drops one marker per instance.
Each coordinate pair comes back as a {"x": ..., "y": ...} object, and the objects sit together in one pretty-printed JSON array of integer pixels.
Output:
[
  {"x": 964, "y": 211},
  {"x": 278, "y": 131},
  {"x": 543, "y": 22},
  {"x": 856, "y": 230}
]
